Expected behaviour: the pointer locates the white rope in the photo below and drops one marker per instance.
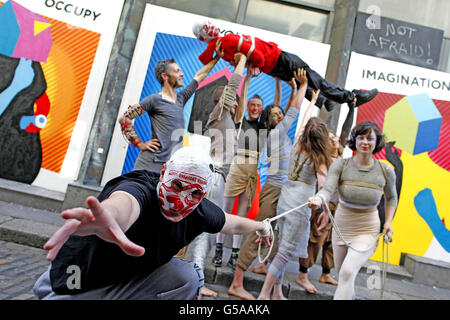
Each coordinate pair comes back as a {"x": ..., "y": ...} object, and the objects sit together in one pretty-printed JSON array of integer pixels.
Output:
[
  {"x": 271, "y": 231},
  {"x": 386, "y": 239}
]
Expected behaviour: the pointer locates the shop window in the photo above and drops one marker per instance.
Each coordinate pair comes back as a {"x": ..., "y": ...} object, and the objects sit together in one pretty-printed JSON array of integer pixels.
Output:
[
  {"x": 224, "y": 10},
  {"x": 292, "y": 20},
  {"x": 444, "y": 63}
]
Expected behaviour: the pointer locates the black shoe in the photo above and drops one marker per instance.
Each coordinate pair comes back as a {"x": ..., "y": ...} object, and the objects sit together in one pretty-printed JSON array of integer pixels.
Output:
[
  {"x": 233, "y": 259},
  {"x": 217, "y": 260},
  {"x": 364, "y": 96}
]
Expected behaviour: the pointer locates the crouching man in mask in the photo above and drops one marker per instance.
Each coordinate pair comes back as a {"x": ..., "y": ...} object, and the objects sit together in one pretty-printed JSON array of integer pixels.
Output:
[{"x": 123, "y": 245}]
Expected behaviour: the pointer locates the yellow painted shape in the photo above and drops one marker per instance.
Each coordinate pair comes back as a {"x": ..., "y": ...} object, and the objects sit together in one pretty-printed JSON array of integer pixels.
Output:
[
  {"x": 186, "y": 140},
  {"x": 411, "y": 232},
  {"x": 40, "y": 26},
  {"x": 400, "y": 125}
]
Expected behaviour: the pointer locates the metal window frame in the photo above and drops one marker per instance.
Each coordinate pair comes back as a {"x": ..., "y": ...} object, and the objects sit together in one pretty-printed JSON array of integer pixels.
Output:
[
  {"x": 444, "y": 64},
  {"x": 243, "y": 4}
]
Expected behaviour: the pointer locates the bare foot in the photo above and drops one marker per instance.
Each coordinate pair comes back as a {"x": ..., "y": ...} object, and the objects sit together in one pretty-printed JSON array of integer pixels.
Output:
[
  {"x": 240, "y": 292},
  {"x": 327, "y": 278},
  {"x": 208, "y": 292},
  {"x": 278, "y": 293},
  {"x": 277, "y": 297},
  {"x": 303, "y": 280},
  {"x": 260, "y": 268}
]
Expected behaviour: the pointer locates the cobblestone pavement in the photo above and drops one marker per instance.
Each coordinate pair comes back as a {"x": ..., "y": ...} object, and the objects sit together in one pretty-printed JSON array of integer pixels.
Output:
[{"x": 20, "y": 267}]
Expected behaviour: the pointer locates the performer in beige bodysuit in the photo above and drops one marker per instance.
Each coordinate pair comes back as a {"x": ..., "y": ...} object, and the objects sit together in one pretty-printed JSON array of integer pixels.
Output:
[{"x": 360, "y": 181}]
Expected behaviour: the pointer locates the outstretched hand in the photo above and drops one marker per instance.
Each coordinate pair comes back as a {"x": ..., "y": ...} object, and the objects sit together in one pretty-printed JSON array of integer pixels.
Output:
[
  {"x": 300, "y": 76},
  {"x": 93, "y": 221},
  {"x": 219, "y": 50},
  {"x": 315, "y": 95},
  {"x": 292, "y": 83},
  {"x": 253, "y": 71}
]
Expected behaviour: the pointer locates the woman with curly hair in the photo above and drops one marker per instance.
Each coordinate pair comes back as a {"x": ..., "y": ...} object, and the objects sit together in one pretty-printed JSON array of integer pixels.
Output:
[{"x": 360, "y": 181}]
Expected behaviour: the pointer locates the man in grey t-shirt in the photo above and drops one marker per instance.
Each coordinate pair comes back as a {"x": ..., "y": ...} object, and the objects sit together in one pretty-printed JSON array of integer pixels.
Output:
[{"x": 165, "y": 110}]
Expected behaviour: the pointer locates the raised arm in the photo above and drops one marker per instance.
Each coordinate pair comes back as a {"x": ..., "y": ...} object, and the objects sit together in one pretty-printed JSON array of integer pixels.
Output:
[
  {"x": 239, "y": 115},
  {"x": 240, "y": 60},
  {"x": 277, "y": 95},
  {"x": 229, "y": 93},
  {"x": 347, "y": 126},
  {"x": 297, "y": 101},
  {"x": 293, "y": 85},
  {"x": 308, "y": 111},
  {"x": 205, "y": 70}
]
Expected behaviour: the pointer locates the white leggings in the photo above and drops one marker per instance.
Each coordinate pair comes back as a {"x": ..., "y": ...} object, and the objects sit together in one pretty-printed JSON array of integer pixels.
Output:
[
  {"x": 242, "y": 212},
  {"x": 347, "y": 263}
]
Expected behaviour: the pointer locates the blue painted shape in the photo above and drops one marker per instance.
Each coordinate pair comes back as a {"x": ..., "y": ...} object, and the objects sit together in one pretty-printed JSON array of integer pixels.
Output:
[
  {"x": 426, "y": 207},
  {"x": 23, "y": 77},
  {"x": 429, "y": 122},
  {"x": 25, "y": 121},
  {"x": 427, "y": 138},
  {"x": 423, "y": 107},
  {"x": 9, "y": 31}
]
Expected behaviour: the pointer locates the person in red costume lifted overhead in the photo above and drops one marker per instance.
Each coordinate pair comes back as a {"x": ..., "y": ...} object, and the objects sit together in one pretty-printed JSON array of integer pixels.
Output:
[{"x": 267, "y": 57}]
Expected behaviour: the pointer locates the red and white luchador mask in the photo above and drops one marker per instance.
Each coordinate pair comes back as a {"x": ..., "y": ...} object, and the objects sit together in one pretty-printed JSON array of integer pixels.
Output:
[
  {"x": 182, "y": 186},
  {"x": 205, "y": 31}
]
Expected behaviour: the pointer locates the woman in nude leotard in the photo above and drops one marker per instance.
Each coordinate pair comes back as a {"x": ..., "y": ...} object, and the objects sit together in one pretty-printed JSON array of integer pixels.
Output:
[{"x": 360, "y": 181}]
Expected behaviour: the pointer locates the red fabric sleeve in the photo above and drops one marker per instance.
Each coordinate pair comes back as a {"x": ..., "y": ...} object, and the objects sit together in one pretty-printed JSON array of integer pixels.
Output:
[{"x": 208, "y": 54}]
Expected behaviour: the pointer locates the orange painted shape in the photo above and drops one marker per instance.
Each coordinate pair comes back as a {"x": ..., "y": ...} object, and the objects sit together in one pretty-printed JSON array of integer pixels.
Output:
[{"x": 66, "y": 72}]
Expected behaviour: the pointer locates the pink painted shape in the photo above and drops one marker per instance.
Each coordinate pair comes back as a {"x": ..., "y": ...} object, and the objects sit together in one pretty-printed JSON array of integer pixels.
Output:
[
  {"x": 225, "y": 72},
  {"x": 36, "y": 48}
]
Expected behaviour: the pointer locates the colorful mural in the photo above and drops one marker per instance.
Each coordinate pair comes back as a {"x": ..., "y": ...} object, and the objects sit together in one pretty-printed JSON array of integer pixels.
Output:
[{"x": 42, "y": 90}]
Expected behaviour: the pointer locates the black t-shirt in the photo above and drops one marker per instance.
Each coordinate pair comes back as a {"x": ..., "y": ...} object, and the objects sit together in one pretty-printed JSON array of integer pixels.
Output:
[
  {"x": 250, "y": 137},
  {"x": 103, "y": 263}
]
